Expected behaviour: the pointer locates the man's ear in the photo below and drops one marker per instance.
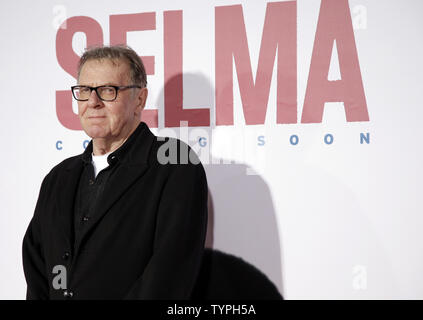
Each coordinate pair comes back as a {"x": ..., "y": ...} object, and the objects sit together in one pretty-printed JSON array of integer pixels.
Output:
[{"x": 141, "y": 99}]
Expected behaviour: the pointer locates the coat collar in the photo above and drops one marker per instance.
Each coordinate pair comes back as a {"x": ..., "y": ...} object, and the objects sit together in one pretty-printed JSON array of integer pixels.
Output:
[
  {"x": 142, "y": 137},
  {"x": 133, "y": 163}
]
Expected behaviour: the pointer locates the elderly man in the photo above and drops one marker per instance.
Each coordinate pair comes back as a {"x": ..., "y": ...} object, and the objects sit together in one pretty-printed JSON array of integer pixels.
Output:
[{"x": 115, "y": 222}]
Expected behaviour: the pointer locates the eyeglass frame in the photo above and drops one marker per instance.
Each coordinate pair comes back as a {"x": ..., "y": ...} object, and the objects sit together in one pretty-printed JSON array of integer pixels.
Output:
[{"x": 117, "y": 88}]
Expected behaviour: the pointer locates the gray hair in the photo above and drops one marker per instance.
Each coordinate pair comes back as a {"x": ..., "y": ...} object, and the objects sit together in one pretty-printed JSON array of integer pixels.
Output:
[{"x": 117, "y": 52}]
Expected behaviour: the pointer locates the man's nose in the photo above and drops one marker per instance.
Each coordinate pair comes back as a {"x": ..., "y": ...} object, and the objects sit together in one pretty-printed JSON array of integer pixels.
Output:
[{"x": 94, "y": 100}]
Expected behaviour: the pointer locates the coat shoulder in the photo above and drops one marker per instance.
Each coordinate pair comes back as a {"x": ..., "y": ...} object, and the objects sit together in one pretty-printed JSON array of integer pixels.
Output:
[{"x": 60, "y": 167}]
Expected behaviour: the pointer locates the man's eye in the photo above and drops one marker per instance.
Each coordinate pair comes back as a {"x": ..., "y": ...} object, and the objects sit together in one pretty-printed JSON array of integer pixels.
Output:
[{"x": 84, "y": 90}]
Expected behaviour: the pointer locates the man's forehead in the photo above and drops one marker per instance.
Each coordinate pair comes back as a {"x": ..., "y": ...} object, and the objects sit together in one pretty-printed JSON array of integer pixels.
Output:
[
  {"x": 100, "y": 68},
  {"x": 106, "y": 62}
]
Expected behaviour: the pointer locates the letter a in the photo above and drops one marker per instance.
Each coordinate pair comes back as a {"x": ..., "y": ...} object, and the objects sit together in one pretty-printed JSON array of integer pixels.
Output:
[
  {"x": 334, "y": 24},
  {"x": 59, "y": 281}
]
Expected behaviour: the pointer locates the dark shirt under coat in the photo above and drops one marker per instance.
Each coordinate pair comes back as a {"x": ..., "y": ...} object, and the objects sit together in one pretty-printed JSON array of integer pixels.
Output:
[{"x": 90, "y": 187}]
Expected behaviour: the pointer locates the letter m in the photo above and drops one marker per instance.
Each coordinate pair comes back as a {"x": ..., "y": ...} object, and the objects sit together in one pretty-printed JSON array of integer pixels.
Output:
[{"x": 279, "y": 38}]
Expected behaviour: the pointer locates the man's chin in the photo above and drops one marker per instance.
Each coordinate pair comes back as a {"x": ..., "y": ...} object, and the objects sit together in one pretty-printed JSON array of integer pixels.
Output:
[{"x": 96, "y": 132}]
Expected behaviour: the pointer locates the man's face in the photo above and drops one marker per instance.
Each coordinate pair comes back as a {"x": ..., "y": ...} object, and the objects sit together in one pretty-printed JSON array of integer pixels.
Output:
[{"x": 103, "y": 119}]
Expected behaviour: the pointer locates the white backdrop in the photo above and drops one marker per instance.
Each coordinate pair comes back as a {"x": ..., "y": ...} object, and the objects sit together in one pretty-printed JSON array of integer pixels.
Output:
[{"x": 336, "y": 218}]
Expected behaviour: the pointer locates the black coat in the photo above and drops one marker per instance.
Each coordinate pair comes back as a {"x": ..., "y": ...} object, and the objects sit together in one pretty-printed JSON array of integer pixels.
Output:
[{"x": 146, "y": 240}]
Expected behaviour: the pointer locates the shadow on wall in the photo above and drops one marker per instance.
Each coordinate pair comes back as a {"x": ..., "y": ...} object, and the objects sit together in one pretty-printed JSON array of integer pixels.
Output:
[
  {"x": 243, "y": 255},
  {"x": 226, "y": 277}
]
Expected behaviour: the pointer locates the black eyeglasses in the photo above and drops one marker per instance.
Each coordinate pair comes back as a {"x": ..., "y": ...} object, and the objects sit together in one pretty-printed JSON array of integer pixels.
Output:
[{"x": 105, "y": 93}]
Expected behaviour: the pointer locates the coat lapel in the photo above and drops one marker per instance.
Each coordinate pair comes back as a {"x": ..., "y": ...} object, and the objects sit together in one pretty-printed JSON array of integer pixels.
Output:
[
  {"x": 118, "y": 182},
  {"x": 66, "y": 198}
]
